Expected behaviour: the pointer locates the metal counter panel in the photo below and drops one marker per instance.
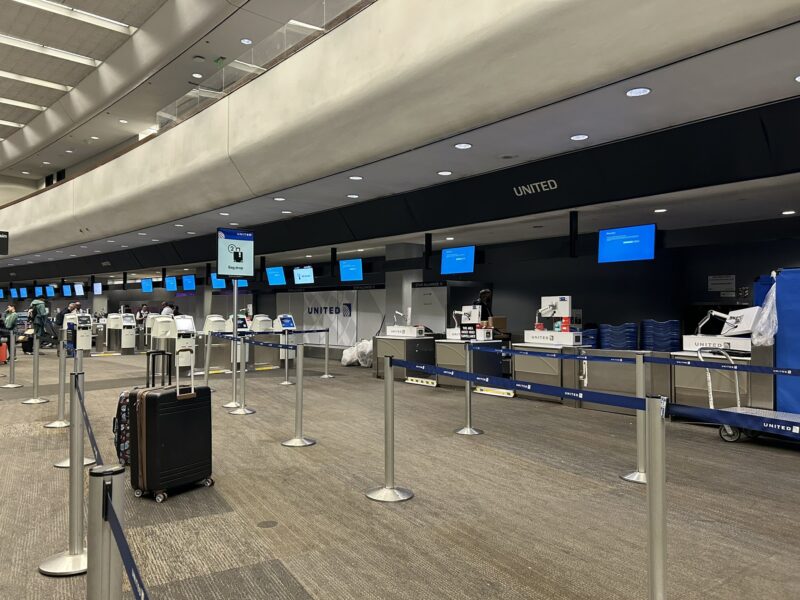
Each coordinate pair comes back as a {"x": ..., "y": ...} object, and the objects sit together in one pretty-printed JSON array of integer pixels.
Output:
[{"x": 451, "y": 354}]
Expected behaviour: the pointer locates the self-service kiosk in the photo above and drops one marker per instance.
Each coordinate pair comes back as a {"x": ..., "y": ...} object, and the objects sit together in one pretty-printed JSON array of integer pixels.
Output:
[
  {"x": 78, "y": 330},
  {"x": 242, "y": 329},
  {"x": 184, "y": 340},
  {"x": 215, "y": 350},
  {"x": 265, "y": 357},
  {"x": 121, "y": 333}
]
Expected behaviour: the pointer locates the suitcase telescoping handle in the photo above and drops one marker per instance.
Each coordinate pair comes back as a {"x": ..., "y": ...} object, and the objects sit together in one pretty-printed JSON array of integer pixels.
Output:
[
  {"x": 191, "y": 393},
  {"x": 166, "y": 365}
]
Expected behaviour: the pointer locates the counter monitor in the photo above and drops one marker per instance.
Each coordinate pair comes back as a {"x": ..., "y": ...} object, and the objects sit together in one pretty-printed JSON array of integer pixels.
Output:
[
  {"x": 189, "y": 283},
  {"x": 2, "y": 293},
  {"x": 66, "y": 290},
  {"x": 303, "y": 275},
  {"x": 50, "y": 291},
  {"x": 625, "y": 244},
  {"x": 276, "y": 276},
  {"x": 351, "y": 270},
  {"x": 23, "y": 292},
  {"x": 38, "y": 291},
  {"x": 458, "y": 260},
  {"x": 242, "y": 283},
  {"x": 78, "y": 289},
  {"x": 97, "y": 288},
  {"x": 14, "y": 293},
  {"x": 147, "y": 285},
  {"x": 217, "y": 283},
  {"x": 171, "y": 284}
]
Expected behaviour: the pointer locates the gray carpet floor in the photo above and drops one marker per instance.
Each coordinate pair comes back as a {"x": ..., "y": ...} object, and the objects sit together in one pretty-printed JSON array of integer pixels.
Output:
[{"x": 533, "y": 509}]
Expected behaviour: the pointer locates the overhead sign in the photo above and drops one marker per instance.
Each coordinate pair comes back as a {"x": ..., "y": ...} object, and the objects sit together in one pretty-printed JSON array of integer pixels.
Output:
[
  {"x": 235, "y": 252},
  {"x": 3, "y": 242}
]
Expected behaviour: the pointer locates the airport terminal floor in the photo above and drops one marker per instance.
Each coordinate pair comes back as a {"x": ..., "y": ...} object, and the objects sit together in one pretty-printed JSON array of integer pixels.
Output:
[{"x": 535, "y": 508}]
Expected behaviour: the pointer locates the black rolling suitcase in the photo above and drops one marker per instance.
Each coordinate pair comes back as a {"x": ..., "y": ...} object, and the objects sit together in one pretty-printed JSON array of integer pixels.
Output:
[{"x": 170, "y": 432}]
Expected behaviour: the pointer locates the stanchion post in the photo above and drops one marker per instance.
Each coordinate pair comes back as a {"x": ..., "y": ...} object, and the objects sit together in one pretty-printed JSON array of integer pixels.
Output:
[
  {"x": 104, "y": 563},
  {"x": 207, "y": 368},
  {"x": 640, "y": 474},
  {"x": 656, "y": 497},
  {"x": 73, "y": 560},
  {"x": 468, "y": 429},
  {"x": 242, "y": 409},
  {"x": 388, "y": 492},
  {"x": 284, "y": 339},
  {"x": 12, "y": 362},
  {"x": 327, "y": 374},
  {"x": 75, "y": 415},
  {"x": 235, "y": 346},
  {"x": 61, "y": 420},
  {"x": 35, "y": 399},
  {"x": 298, "y": 441}
]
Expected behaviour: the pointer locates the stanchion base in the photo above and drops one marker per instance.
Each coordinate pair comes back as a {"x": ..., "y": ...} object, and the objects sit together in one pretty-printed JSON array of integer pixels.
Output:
[
  {"x": 57, "y": 424},
  {"x": 299, "y": 442},
  {"x": 384, "y": 494},
  {"x": 64, "y": 564},
  {"x": 287, "y": 382},
  {"x": 326, "y": 376},
  {"x": 469, "y": 431},
  {"x": 231, "y": 405},
  {"x": 241, "y": 410},
  {"x": 635, "y": 477},
  {"x": 11, "y": 386},
  {"x": 35, "y": 401},
  {"x": 64, "y": 464}
]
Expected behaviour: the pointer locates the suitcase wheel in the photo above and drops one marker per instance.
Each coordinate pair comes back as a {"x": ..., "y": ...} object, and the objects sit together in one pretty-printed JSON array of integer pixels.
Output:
[
  {"x": 208, "y": 482},
  {"x": 161, "y": 497},
  {"x": 138, "y": 493}
]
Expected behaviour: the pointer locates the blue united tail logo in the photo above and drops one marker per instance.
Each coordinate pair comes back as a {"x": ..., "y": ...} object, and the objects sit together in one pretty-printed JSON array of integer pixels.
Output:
[{"x": 347, "y": 309}]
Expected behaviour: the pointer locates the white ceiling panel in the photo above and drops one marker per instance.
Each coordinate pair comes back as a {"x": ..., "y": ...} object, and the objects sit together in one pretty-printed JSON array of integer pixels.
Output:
[
  {"x": 25, "y": 92},
  {"x": 28, "y": 63},
  {"x": 130, "y": 12},
  {"x": 16, "y": 114}
]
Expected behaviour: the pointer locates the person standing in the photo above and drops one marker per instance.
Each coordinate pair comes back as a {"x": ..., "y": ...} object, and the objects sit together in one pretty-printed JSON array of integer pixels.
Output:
[{"x": 166, "y": 309}]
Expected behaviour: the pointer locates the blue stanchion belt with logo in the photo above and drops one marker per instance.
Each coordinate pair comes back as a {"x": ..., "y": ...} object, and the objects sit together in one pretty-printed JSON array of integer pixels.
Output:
[{"x": 248, "y": 340}]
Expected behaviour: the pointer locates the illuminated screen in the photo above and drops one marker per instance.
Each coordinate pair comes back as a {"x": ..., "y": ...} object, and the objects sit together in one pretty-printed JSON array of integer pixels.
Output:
[
  {"x": 276, "y": 276},
  {"x": 23, "y": 292},
  {"x": 50, "y": 291},
  {"x": 37, "y": 291},
  {"x": 351, "y": 270},
  {"x": 242, "y": 283},
  {"x": 147, "y": 285},
  {"x": 14, "y": 293},
  {"x": 66, "y": 290},
  {"x": 78, "y": 289},
  {"x": 171, "y": 283},
  {"x": 2, "y": 293},
  {"x": 458, "y": 260},
  {"x": 303, "y": 275},
  {"x": 627, "y": 243},
  {"x": 217, "y": 283},
  {"x": 98, "y": 288},
  {"x": 189, "y": 283}
]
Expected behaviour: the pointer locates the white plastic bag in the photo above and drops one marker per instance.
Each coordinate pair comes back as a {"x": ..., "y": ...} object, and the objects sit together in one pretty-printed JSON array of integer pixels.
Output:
[
  {"x": 349, "y": 357},
  {"x": 364, "y": 353},
  {"x": 765, "y": 325}
]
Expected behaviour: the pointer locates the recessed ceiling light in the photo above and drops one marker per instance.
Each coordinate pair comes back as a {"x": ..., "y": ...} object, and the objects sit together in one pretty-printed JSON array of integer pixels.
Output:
[
  {"x": 48, "y": 50},
  {"x": 197, "y": 75},
  {"x": 33, "y": 81},
  {"x": 463, "y": 146},
  {"x": 660, "y": 210},
  {"x": 154, "y": 240},
  {"x": 96, "y": 252},
  {"x": 223, "y": 214},
  {"x": 788, "y": 212},
  {"x": 122, "y": 246},
  {"x": 445, "y": 173},
  {"x": 178, "y": 224},
  {"x": 44, "y": 162},
  {"x": 190, "y": 233},
  {"x": 37, "y": 255},
  {"x": 449, "y": 239},
  {"x": 59, "y": 252},
  {"x": 279, "y": 199},
  {"x": 142, "y": 233},
  {"x": 123, "y": 121},
  {"x": 579, "y": 137},
  {"x": 360, "y": 250},
  {"x": 246, "y": 41},
  {"x": 84, "y": 247},
  {"x": 20, "y": 104},
  {"x": 636, "y": 92},
  {"x": 12, "y": 124},
  {"x": 286, "y": 212},
  {"x": 797, "y": 79},
  {"x": 309, "y": 256},
  {"x": 73, "y": 255},
  {"x": 354, "y": 196},
  {"x": 186, "y": 269},
  {"x": 69, "y": 151},
  {"x": 26, "y": 172},
  {"x": 94, "y": 137},
  {"x": 111, "y": 241},
  {"x": 356, "y": 178},
  {"x": 233, "y": 224},
  {"x": 52, "y": 259}
]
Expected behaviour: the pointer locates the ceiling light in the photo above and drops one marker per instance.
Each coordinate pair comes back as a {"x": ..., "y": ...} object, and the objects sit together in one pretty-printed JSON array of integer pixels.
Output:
[
  {"x": 73, "y": 255},
  {"x": 309, "y": 256},
  {"x": 636, "y": 92},
  {"x": 356, "y": 178},
  {"x": 48, "y": 51},
  {"x": 463, "y": 146},
  {"x": 223, "y": 214},
  {"x": 123, "y": 121},
  {"x": 154, "y": 240},
  {"x": 246, "y": 41},
  {"x": 84, "y": 247},
  {"x": 354, "y": 196},
  {"x": 94, "y": 137},
  {"x": 79, "y": 15},
  {"x": 233, "y": 224},
  {"x": 19, "y": 104},
  {"x": 579, "y": 137},
  {"x": 788, "y": 212},
  {"x": 279, "y": 199},
  {"x": 37, "y": 255},
  {"x": 26, "y": 172},
  {"x": 142, "y": 233},
  {"x": 302, "y": 25},
  {"x": 186, "y": 269},
  {"x": 34, "y": 81},
  {"x": 660, "y": 210},
  {"x": 445, "y": 173},
  {"x": 11, "y": 123},
  {"x": 797, "y": 79},
  {"x": 96, "y": 252},
  {"x": 44, "y": 162},
  {"x": 197, "y": 75},
  {"x": 286, "y": 212},
  {"x": 360, "y": 250},
  {"x": 69, "y": 151},
  {"x": 190, "y": 233},
  {"x": 112, "y": 241},
  {"x": 178, "y": 224},
  {"x": 122, "y": 246},
  {"x": 449, "y": 239},
  {"x": 59, "y": 252}
]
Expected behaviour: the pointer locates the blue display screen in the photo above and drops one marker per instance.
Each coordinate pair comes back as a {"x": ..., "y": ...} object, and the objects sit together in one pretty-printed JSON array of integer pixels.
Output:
[
  {"x": 276, "y": 276},
  {"x": 2, "y": 293},
  {"x": 98, "y": 288},
  {"x": 351, "y": 270},
  {"x": 458, "y": 260},
  {"x": 626, "y": 244},
  {"x": 66, "y": 290},
  {"x": 147, "y": 285},
  {"x": 78, "y": 289},
  {"x": 50, "y": 291},
  {"x": 171, "y": 284},
  {"x": 242, "y": 283},
  {"x": 189, "y": 283},
  {"x": 14, "y": 293},
  {"x": 23, "y": 292},
  {"x": 303, "y": 275},
  {"x": 217, "y": 283},
  {"x": 37, "y": 291}
]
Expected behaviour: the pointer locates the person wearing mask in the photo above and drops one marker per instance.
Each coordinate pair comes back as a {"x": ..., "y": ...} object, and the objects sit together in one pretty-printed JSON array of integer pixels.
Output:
[{"x": 166, "y": 309}]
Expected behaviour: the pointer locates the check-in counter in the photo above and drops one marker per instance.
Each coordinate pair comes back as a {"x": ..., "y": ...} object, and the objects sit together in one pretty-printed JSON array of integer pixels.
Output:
[
  {"x": 452, "y": 354},
  {"x": 620, "y": 378},
  {"x": 690, "y": 385},
  {"x": 545, "y": 370},
  {"x": 412, "y": 349}
]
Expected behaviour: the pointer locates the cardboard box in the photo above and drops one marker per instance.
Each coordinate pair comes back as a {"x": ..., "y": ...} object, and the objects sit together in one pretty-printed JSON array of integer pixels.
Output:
[{"x": 498, "y": 322}]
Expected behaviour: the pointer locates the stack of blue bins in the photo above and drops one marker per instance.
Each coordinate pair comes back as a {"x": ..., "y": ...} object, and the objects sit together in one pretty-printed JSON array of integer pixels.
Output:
[
  {"x": 619, "y": 337},
  {"x": 590, "y": 338},
  {"x": 661, "y": 336}
]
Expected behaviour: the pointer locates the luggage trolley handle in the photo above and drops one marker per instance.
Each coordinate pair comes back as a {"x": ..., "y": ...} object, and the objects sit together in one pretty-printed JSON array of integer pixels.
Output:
[
  {"x": 151, "y": 367},
  {"x": 191, "y": 393}
]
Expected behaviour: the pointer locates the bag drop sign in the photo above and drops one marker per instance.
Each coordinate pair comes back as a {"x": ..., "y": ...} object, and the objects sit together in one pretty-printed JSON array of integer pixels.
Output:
[{"x": 235, "y": 252}]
